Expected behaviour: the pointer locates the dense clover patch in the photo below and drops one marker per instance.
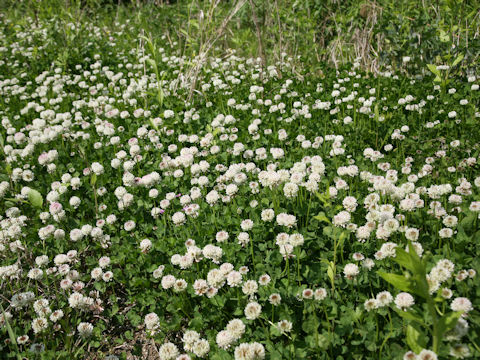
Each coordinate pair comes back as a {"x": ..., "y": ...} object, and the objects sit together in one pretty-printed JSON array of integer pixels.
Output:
[{"x": 274, "y": 215}]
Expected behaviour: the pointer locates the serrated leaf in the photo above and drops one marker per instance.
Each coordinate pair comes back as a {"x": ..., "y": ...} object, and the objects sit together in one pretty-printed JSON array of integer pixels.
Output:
[{"x": 35, "y": 198}]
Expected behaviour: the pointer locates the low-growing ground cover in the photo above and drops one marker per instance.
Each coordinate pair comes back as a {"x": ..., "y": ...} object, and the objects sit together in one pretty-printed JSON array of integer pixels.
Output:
[{"x": 231, "y": 210}]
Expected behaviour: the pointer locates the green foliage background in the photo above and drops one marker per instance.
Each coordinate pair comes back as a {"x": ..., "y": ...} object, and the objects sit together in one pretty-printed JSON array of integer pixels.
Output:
[{"x": 314, "y": 32}]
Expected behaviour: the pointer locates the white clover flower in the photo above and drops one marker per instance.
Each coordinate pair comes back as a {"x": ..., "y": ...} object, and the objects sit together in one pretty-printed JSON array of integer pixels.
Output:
[
  {"x": 167, "y": 114},
  {"x": 85, "y": 329},
  {"x": 97, "y": 168},
  {"x": 404, "y": 300},
  {"x": 461, "y": 304},
  {"x": 350, "y": 271},
  {"x": 129, "y": 225},
  {"x": 224, "y": 339},
  {"x": 178, "y": 218},
  {"x": 427, "y": 355},
  {"x": 168, "y": 351},
  {"x": 252, "y": 310},
  {"x": 39, "y": 325},
  {"x": 267, "y": 215},
  {"x": 145, "y": 245},
  {"x": 246, "y": 225},
  {"x": 201, "y": 348}
]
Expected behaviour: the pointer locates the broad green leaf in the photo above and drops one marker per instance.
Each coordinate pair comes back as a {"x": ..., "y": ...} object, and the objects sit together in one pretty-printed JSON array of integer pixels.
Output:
[
  {"x": 448, "y": 322},
  {"x": 433, "y": 69},
  {"x": 416, "y": 261},
  {"x": 413, "y": 339},
  {"x": 408, "y": 315},
  {"x": 93, "y": 179},
  {"x": 422, "y": 287},
  {"x": 399, "y": 281},
  {"x": 328, "y": 231},
  {"x": 35, "y": 198},
  {"x": 404, "y": 259},
  {"x": 221, "y": 355},
  {"x": 458, "y": 59},
  {"x": 468, "y": 221},
  {"x": 322, "y": 217},
  {"x": 310, "y": 325},
  {"x": 444, "y": 36}
]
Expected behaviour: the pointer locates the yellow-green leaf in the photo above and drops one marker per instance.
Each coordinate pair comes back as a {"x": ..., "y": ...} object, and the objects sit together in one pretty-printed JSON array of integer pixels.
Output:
[
  {"x": 322, "y": 217},
  {"x": 35, "y": 198},
  {"x": 433, "y": 69},
  {"x": 415, "y": 339},
  {"x": 457, "y": 60}
]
